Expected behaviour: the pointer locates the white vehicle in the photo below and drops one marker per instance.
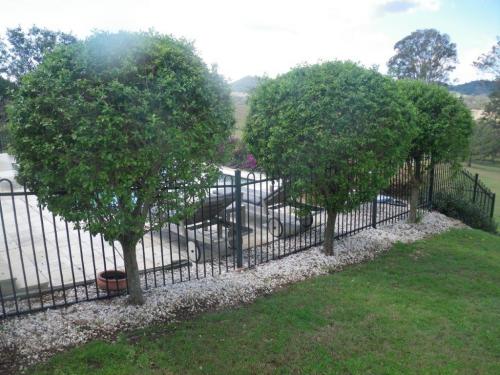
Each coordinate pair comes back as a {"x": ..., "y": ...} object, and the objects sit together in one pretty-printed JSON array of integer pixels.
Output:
[{"x": 265, "y": 216}]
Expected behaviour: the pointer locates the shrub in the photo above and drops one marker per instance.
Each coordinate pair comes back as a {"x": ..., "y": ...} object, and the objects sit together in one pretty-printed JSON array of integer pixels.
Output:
[
  {"x": 460, "y": 208},
  {"x": 443, "y": 124},
  {"x": 234, "y": 153},
  {"x": 338, "y": 131},
  {"x": 103, "y": 129}
]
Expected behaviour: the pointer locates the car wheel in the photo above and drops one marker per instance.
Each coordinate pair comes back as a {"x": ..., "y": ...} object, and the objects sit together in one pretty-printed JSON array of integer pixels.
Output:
[
  {"x": 306, "y": 221},
  {"x": 194, "y": 252},
  {"x": 275, "y": 227}
]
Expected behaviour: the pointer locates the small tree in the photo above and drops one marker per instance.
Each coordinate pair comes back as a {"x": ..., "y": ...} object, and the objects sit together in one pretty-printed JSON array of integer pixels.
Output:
[
  {"x": 426, "y": 54},
  {"x": 103, "y": 129},
  {"x": 336, "y": 130},
  {"x": 443, "y": 127}
]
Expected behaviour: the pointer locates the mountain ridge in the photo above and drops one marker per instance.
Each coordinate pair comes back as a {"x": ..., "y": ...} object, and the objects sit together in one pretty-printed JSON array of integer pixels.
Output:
[{"x": 477, "y": 87}]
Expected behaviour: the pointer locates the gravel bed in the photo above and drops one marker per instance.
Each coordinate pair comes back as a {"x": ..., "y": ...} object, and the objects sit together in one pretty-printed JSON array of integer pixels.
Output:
[{"x": 32, "y": 338}]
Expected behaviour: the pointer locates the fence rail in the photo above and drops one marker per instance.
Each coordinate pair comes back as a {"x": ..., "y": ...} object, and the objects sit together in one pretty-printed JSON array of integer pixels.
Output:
[{"x": 244, "y": 221}]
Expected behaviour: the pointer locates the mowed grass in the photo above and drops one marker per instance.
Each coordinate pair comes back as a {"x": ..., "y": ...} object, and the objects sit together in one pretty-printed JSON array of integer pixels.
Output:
[
  {"x": 241, "y": 110},
  {"x": 489, "y": 173},
  {"x": 432, "y": 307}
]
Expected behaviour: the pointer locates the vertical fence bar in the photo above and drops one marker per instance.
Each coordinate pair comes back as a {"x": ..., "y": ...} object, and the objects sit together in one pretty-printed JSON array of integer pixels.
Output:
[
  {"x": 431, "y": 187},
  {"x": 7, "y": 253},
  {"x": 492, "y": 205},
  {"x": 239, "y": 239},
  {"x": 47, "y": 260},
  {"x": 474, "y": 193},
  {"x": 35, "y": 261},
  {"x": 374, "y": 213}
]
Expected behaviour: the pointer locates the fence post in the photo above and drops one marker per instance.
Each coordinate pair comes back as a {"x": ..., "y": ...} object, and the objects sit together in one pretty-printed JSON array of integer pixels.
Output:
[
  {"x": 476, "y": 179},
  {"x": 431, "y": 188},
  {"x": 492, "y": 205},
  {"x": 374, "y": 212},
  {"x": 239, "y": 229}
]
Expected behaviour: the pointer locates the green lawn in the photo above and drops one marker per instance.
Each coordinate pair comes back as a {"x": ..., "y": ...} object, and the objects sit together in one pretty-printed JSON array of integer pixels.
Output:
[
  {"x": 489, "y": 173},
  {"x": 432, "y": 307}
]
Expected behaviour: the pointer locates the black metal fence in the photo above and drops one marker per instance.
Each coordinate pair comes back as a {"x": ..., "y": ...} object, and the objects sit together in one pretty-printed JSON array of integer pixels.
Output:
[
  {"x": 466, "y": 185},
  {"x": 244, "y": 221}
]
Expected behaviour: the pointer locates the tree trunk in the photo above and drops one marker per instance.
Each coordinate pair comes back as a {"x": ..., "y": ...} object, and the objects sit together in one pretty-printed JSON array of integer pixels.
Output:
[
  {"x": 415, "y": 191},
  {"x": 135, "y": 296},
  {"x": 329, "y": 231}
]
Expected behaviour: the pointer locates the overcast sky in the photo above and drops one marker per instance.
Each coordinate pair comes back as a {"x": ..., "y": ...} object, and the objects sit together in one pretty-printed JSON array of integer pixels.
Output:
[{"x": 269, "y": 37}]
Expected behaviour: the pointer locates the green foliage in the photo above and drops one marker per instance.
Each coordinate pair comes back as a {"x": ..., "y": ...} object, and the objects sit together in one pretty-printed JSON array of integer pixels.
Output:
[
  {"x": 456, "y": 206},
  {"x": 240, "y": 113},
  {"x": 492, "y": 108},
  {"x": 234, "y": 153},
  {"x": 425, "y": 54},
  {"x": 24, "y": 50},
  {"x": 443, "y": 122},
  {"x": 485, "y": 141},
  {"x": 103, "y": 129},
  {"x": 339, "y": 131},
  {"x": 6, "y": 88},
  {"x": 443, "y": 127},
  {"x": 20, "y": 54}
]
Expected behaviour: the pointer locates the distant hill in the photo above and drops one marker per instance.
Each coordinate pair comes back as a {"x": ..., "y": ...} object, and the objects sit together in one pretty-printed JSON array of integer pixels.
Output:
[
  {"x": 245, "y": 84},
  {"x": 481, "y": 87}
]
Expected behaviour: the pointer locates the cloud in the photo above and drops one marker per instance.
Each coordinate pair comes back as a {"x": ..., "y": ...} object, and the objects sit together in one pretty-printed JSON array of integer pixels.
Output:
[
  {"x": 407, "y": 6},
  {"x": 244, "y": 38},
  {"x": 401, "y": 6}
]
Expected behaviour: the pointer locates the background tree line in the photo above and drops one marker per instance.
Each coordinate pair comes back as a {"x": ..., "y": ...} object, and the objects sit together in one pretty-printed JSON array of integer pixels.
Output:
[
  {"x": 486, "y": 138},
  {"x": 430, "y": 56}
]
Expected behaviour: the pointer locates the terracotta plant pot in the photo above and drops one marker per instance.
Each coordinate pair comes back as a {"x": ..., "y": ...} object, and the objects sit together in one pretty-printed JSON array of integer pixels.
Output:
[{"x": 112, "y": 281}]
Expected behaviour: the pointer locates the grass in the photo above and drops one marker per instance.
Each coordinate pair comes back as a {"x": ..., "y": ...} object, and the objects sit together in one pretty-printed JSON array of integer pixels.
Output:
[
  {"x": 241, "y": 109},
  {"x": 489, "y": 173},
  {"x": 430, "y": 307}
]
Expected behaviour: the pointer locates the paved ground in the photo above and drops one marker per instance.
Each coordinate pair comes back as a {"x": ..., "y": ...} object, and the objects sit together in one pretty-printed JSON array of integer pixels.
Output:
[{"x": 53, "y": 253}]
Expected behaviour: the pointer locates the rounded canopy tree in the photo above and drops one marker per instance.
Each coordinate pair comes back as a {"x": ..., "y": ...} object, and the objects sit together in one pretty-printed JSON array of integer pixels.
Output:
[
  {"x": 443, "y": 126},
  {"x": 336, "y": 130},
  {"x": 103, "y": 129}
]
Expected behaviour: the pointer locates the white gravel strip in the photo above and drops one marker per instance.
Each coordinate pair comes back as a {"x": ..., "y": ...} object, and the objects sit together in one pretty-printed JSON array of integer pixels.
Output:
[{"x": 33, "y": 338}]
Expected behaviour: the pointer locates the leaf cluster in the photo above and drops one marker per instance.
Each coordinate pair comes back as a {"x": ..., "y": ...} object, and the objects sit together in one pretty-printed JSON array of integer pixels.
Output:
[{"x": 443, "y": 122}]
